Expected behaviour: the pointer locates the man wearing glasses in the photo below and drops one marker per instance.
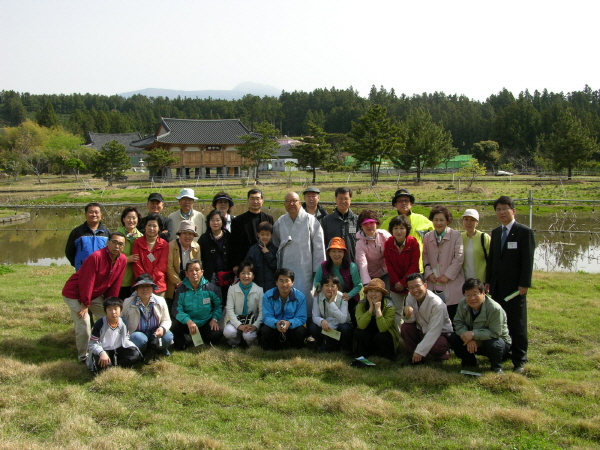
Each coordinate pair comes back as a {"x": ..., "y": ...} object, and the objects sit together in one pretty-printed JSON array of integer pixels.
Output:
[
  {"x": 99, "y": 277},
  {"x": 508, "y": 276},
  {"x": 299, "y": 240}
]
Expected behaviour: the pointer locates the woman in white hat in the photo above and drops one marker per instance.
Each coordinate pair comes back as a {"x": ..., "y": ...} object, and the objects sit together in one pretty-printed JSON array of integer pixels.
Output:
[
  {"x": 181, "y": 251},
  {"x": 476, "y": 246}
]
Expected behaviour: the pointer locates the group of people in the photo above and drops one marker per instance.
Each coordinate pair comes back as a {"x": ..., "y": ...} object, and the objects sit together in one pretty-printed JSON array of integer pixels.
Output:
[{"x": 282, "y": 284}]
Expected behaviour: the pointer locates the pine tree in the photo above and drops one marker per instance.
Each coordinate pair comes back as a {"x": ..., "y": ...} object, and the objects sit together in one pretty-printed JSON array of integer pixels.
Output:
[
  {"x": 46, "y": 117},
  {"x": 111, "y": 161}
]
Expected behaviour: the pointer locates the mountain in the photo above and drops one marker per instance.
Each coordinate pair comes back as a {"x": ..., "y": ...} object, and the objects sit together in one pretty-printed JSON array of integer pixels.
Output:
[{"x": 234, "y": 94}]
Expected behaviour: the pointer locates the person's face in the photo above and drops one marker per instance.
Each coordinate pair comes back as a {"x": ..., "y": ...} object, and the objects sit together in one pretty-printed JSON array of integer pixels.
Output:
[
  {"x": 216, "y": 224},
  {"x": 342, "y": 202},
  {"x": 403, "y": 204},
  {"x": 186, "y": 237},
  {"x": 330, "y": 290},
  {"x": 474, "y": 298},
  {"x": 246, "y": 276},
  {"x": 152, "y": 228},
  {"x": 399, "y": 233},
  {"x": 145, "y": 291},
  {"x": 155, "y": 206},
  {"x": 469, "y": 224},
  {"x": 222, "y": 205},
  {"x": 93, "y": 215},
  {"x": 130, "y": 220},
  {"x": 417, "y": 288},
  {"x": 115, "y": 245},
  {"x": 255, "y": 202},
  {"x": 284, "y": 284},
  {"x": 186, "y": 204},
  {"x": 337, "y": 255},
  {"x": 369, "y": 228},
  {"x": 505, "y": 214},
  {"x": 292, "y": 204},
  {"x": 374, "y": 296},
  {"x": 264, "y": 237},
  {"x": 439, "y": 222},
  {"x": 311, "y": 199},
  {"x": 194, "y": 273},
  {"x": 113, "y": 312}
]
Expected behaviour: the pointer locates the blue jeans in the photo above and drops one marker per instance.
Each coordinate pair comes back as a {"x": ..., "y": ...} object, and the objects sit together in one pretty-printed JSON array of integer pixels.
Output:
[{"x": 140, "y": 339}]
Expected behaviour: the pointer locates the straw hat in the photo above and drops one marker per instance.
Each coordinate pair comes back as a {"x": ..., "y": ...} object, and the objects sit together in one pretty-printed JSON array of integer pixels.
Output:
[
  {"x": 377, "y": 285},
  {"x": 187, "y": 225},
  {"x": 337, "y": 242}
]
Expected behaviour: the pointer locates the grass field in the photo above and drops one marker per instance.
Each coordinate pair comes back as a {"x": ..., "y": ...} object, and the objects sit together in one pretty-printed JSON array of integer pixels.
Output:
[{"x": 220, "y": 398}]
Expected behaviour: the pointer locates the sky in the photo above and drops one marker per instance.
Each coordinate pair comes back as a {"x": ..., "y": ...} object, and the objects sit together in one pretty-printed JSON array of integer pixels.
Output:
[{"x": 475, "y": 48}]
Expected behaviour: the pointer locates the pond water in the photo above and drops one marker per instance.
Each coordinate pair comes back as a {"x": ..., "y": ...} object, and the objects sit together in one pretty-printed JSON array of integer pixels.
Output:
[{"x": 41, "y": 241}]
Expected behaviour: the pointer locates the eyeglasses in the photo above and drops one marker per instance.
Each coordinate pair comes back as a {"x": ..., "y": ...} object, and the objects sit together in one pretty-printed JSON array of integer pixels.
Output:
[
  {"x": 503, "y": 209},
  {"x": 117, "y": 243}
]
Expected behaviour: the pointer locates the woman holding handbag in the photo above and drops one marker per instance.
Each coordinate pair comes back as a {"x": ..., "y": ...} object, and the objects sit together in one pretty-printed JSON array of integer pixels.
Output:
[{"x": 215, "y": 252}]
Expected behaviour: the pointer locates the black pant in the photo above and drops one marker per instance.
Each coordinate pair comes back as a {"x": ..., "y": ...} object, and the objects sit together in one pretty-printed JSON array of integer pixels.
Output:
[
  {"x": 516, "y": 319},
  {"x": 371, "y": 341},
  {"x": 272, "y": 339},
  {"x": 330, "y": 344},
  {"x": 179, "y": 331},
  {"x": 124, "y": 357},
  {"x": 494, "y": 349}
]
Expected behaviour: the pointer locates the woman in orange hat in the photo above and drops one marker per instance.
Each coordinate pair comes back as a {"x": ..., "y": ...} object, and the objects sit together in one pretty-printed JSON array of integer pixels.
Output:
[{"x": 338, "y": 263}]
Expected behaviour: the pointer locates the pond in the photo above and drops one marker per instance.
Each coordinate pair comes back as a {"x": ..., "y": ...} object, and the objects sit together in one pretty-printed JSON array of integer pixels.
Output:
[{"x": 41, "y": 241}]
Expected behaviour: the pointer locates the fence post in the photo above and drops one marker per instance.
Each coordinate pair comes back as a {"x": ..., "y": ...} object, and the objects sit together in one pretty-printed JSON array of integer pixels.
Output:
[{"x": 530, "y": 201}]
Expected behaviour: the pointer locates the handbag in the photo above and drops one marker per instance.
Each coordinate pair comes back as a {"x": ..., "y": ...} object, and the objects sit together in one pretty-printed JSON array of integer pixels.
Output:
[
  {"x": 247, "y": 319},
  {"x": 224, "y": 278}
]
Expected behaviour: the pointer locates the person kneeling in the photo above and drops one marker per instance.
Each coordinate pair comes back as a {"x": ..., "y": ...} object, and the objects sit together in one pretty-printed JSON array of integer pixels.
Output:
[
  {"x": 480, "y": 328},
  {"x": 244, "y": 308},
  {"x": 284, "y": 314},
  {"x": 110, "y": 345},
  {"x": 376, "y": 332},
  {"x": 148, "y": 318},
  {"x": 330, "y": 312}
]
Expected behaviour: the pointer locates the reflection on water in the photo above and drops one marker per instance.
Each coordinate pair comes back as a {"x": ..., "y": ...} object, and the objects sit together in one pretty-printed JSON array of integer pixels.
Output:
[{"x": 556, "y": 251}]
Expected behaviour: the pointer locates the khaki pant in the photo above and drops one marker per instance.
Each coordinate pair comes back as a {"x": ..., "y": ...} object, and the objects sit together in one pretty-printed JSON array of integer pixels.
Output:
[
  {"x": 398, "y": 301},
  {"x": 83, "y": 329}
]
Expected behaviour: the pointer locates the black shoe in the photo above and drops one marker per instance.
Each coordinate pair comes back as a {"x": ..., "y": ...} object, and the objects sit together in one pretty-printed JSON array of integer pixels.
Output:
[
  {"x": 519, "y": 369},
  {"x": 469, "y": 364},
  {"x": 498, "y": 371}
]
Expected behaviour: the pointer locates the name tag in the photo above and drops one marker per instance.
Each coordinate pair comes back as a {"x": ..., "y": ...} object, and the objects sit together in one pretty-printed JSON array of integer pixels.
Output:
[
  {"x": 151, "y": 257},
  {"x": 511, "y": 245},
  {"x": 206, "y": 301},
  {"x": 352, "y": 229}
]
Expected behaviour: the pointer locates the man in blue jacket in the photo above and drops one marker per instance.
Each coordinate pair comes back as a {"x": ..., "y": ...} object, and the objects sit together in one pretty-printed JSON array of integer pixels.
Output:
[
  {"x": 87, "y": 237},
  {"x": 284, "y": 314}
]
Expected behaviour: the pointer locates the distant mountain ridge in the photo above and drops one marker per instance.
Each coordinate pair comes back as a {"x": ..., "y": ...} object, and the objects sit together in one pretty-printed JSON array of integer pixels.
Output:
[{"x": 234, "y": 94}]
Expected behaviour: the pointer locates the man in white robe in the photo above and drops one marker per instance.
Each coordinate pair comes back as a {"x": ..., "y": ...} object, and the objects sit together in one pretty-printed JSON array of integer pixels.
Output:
[{"x": 299, "y": 240}]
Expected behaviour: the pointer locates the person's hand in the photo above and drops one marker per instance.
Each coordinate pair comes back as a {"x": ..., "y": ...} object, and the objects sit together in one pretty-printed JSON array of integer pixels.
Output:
[
  {"x": 377, "y": 307},
  {"x": 416, "y": 358},
  {"x": 467, "y": 336},
  {"x": 160, "y": 332},
  {"x": 104, "y": 360},
  {"x": 283, "y": 325},
  {"x": 398, "y": 286},
  {"x": 408, "y": 311},
  {"x": 370, "y": 306},
  {"x": 487, "y": 288},
  {"x": 243, "y": 328},
  {"x": 471, "y": 346},
  {"x": 443, "y": 279},
  {"x": 192, "y": 327},
  {"x": 344, "y": 297},
  {"x": 432, "y": 279},
  {"x": 325, "y": 325},
  {"x": 133, "y": 258},
  {"x": 523, "y": 290},
  {"x": 83, "y": 312},
  {"x": 250, "y": 328},
  {"x": 214, "y": 325},
  {"x": 264, "y": 249}
]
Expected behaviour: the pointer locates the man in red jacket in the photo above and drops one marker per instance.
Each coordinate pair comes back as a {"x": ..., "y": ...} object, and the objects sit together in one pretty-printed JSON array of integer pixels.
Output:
[{"x": 99, "y": 277}]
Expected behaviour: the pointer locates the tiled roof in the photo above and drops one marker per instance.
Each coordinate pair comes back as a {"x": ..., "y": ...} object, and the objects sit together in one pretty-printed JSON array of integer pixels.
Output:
[
  {"x": 98, "y": 140},
  {"x": 203, "y": 132},
  {"x": 283, "y": 151}
]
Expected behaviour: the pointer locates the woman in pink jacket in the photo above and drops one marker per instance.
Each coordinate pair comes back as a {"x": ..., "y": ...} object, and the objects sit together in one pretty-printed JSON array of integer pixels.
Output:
[
  {"x": 153, "y": 252},
  {"x": 370, "y": 241},
  {"x": 443, "y": 258}
]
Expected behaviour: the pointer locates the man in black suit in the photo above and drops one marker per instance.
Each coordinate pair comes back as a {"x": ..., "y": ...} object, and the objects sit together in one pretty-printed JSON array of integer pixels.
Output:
[
  {"x": 509, "y": 270},
  {"x": 244, "y": 227}
]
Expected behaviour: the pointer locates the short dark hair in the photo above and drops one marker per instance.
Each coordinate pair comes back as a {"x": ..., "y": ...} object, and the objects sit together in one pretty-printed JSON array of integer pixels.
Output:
[
  {"x": 213, "y": 213},
  {"x": 343, "y": 190},
  {"x": 127, "y": 211},
  {"x": 116, "y": 233},
  {"x": 400, "y": 220},
  {"x": 193, "y": 261},
  {"x": 473, "y": 283},
  {"x": 112, "y": 301},
  {"x": 505, "y": 200},
  {"x": 264, "y": 226},
  {"x": 246, "y": 263},
  {"x": 414, "y": 276},
  {"x": 154, "y": 216},
  {"x": 285, "y": 272},
  {"x": 330, "y": 278},
  {"x": 255, "y": 191},
  {"x": 440, "y": 209},
  {"x": 89, "y": 205}
]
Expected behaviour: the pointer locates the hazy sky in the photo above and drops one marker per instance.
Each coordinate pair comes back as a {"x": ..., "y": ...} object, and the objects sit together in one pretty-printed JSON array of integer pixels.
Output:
[{"x": 459, "y": 47}]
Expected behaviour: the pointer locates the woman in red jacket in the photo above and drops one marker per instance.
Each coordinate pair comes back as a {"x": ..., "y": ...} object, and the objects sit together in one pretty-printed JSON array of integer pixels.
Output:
[
  {"x": 153, "y": 252},
  {"x": 401, "y": 253}
]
